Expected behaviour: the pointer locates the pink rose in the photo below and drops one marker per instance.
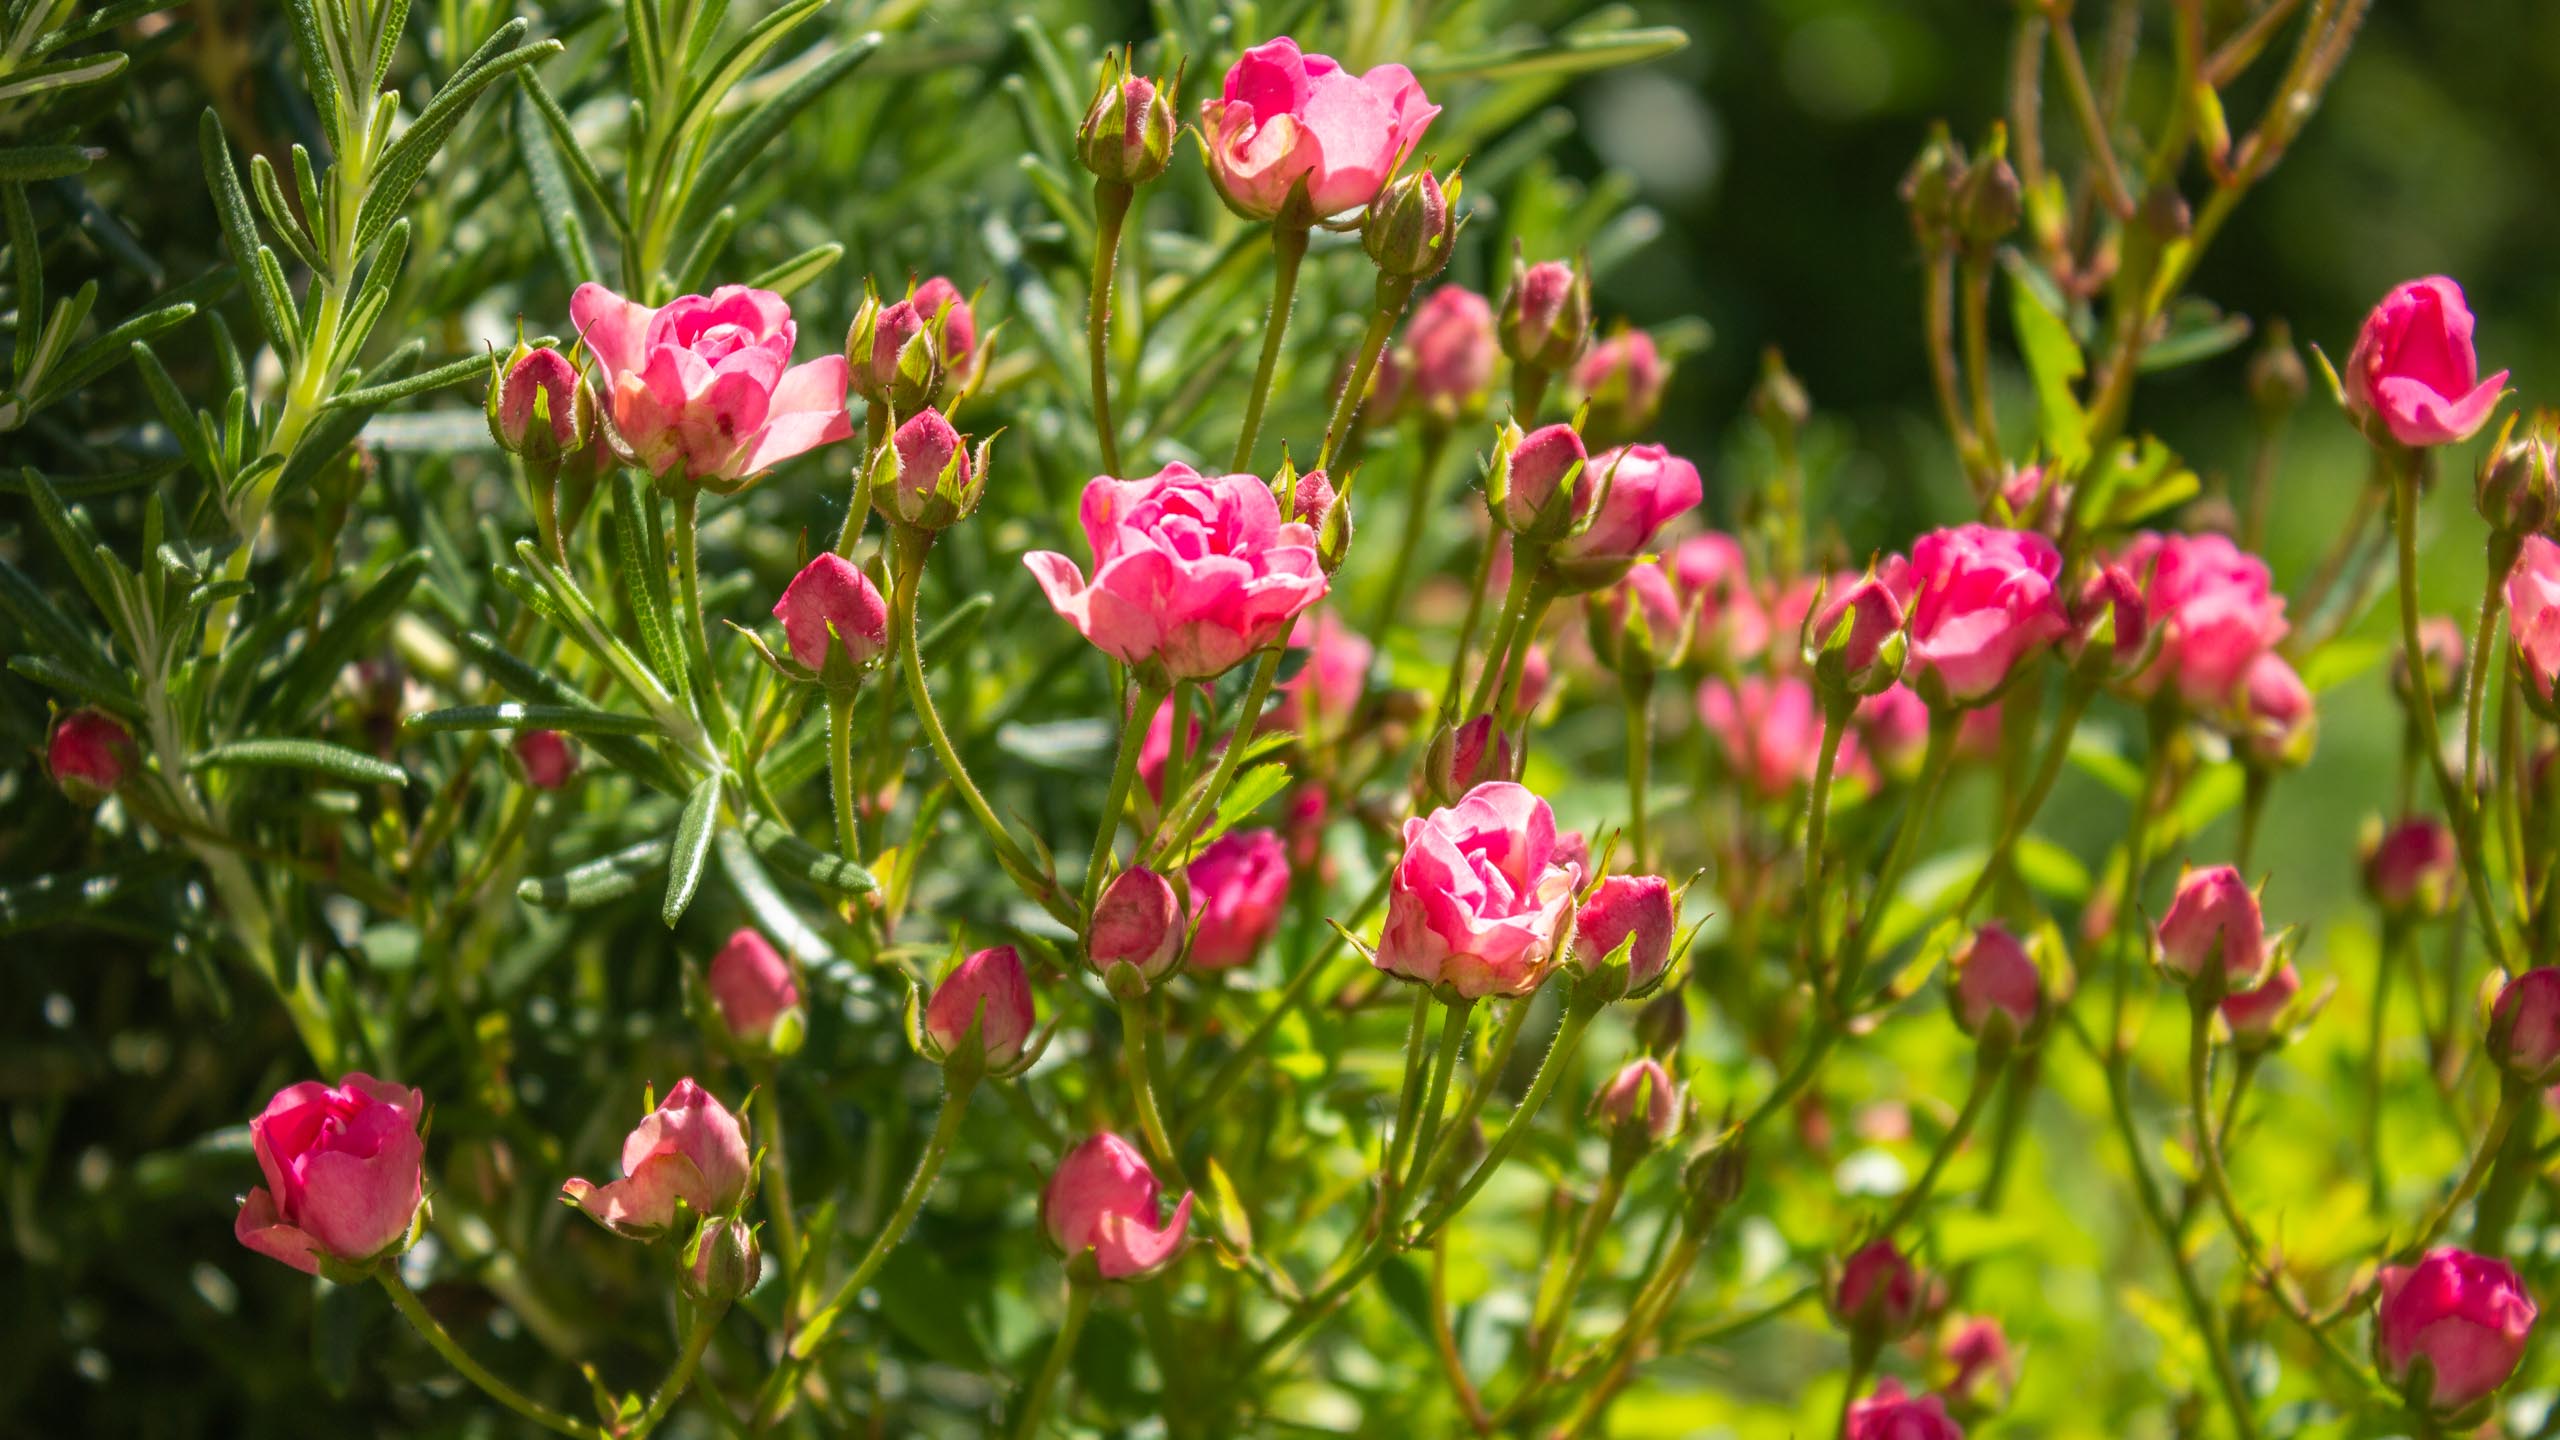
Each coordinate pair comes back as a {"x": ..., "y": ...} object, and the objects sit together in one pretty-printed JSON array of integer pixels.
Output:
[
  {"x": 690, "y": 1148},
  {"x": 1190, "y": 572},
  {"x": 2465, "y": 1315},
  {"x": 1994, "y": 976},
  {"x": 930, "y": 473},
  {"x": 549, "y": 763},
  {"x": 832, "y": 605},
  {"x": 1874, "y": 616},
  {"x": 2253, "y": 1015},
  {"x": 706, "y": 383},
  {"x": 1546, "y": 317},
  {"x": 2213, "y": 924},
  {"x": 1621, "y": 379},
  {"x": 1770, "y": 730},
  {"x": 1982, "y": 600},
  {"x": 1464, "y": 757},
  {"x": 2413, "y": 867},
  {"x": 90, "y": 755},
  {"x": 1641, "y": 906},
  {"x": 1238, "y": 887},
  {"x": 988, "y": 989},
  {"x": 1286, "y": 118},
  {"x": 1878, "y": 1292},
  {"x": 1322, "y": 697},
  {"x": 342, "y": 1164},
  {"x": 534, "y": 408},
  {"x": 1890, "y": 1414},
  {"x": 1647, "y": 594},
  {"x": 1450, "y": 353},
  {"x": 1103, "y": 1198},
  {"x": 1641, "y": 1098},
  {"x": 2216, "y": 610},
  {"x": 2412, "y": 372},
  {"x": 1646, "y": 487},
  {"x": 2278, "y": 718},
  {"x": 752, "y": 985},
  {"x": 2111, "y": 607},
  {"x": 1711, "y": 574},
  {"x": 1479, "y": 901},
  {"x": 1893, "y": 726},
  {"x": 1138, "y": 921},
  {"x": 2524, "y": 1026},
  {"x": 2533, "y": 604},
  {"x": 1533, "y": 475},
  {"x": 1980, "y": 1364}
]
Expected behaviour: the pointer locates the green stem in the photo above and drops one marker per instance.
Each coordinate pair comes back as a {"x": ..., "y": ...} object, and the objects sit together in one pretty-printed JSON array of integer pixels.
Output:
[
  {"x": 1934, "y": 764},
  {"x": 1528, "y": 392},
  {"x": 1937, "y": 304},
  {"x": 2075, "y": 701},
  {"x": 1506, "y": 629},
  {"x": 1862, "y": 1362},
  {"x": 1435, "y": 1101},
  {"x": 777, "y": 1180},
  {"x": 1577, "y": 1018},
  {"x": 1976, "y": 273},
  {"x": 1817, "y": 827},
  {"x": 1986, "y": 1077},
  {"x": 1394, "y": 294},
  {"x": 1137, "y": 1032},
  {"x": 1417, "y": 1033},
  {"x": 2514, "y": 1171},
  {"x": 2512, "y": 1099},
  {"x": 689, "y": 578},
  {"x": 1035, "y": 1399},
  {"x": 1424, "y": 489},
  {"x": 1288, "y": 248},
  {"x": 2493, "y": 595},
  {"x": 1204, "y": 806},
  {"x": 1292, "y": 998},
  {"x": 1555, "y": 1301},
  {"x": 857, "y": 506},
  {"x": 2386, "y": 965},
  {"x": 840, "y": 773},
  {"x": 1124, "y": 769},
  {"x": 673, "y": 1387},
  {"x": 1506, "y": 1038},
  {"x": 460, "y": 1359},
  {"x": 1110, "y": 209},
  {"x": 1466, "y": 629}
]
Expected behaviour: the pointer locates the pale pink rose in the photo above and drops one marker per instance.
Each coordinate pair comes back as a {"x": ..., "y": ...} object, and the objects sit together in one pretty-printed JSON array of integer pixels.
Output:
[
  {"x": 2524, "y": 1026},
  {"x": 2216, "y": 610},
  {"x": 342, "y": 1164},
  {"x": 2254, "y": 1014},
  {"x": 1641, "y": 1094},
  {"x": 1890, "y": 1414},
  {"x": 549, "y": 763},
  {"x": 1638, "y": 489},
  {"x": 1995, "y": 976},
  {"x": 1450, "y": 352},
  {"x": 751, "y": 983},
  {"x": 1239, "y": 886},
  {"x": 1105, "y": 1199},
  {"x": 2413, "y": 371},
  {"x": 1770, "y": 730},
  {"x": 90, "y": 755},
  {"x": 1712, "y": 574},
  {"x": 1137, "y": 920},
  {"x": 706, "y": 383},
  {"x": 1982, "y": 601},
  {"x": 2466, "y": 1315},
  {"x": 2213, "y": 921},
  {"x": 690, "y": 1148},
  {"x": 1323, "y": 695},
  {"x": 2533, "y": 605},
  {"x": 1638, "y": 905},
  {"x": 829, "y": 605},
  {"x": 1479, "y": 902},
  {"x": 1191, "y": 572},
  {"x": 1878, "y": 1292},
  {"x": 1286, "y": 118},
  {"x": 988, "y": 989}
]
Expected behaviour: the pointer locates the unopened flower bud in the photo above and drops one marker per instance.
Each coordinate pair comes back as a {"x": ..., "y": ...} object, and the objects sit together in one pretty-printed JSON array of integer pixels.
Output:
[
  {"x": 2277, "y": 381},
  {"x": 2257, "y": 1016},
  {"x": 1128, "y": 131},
  {"x": 1546, "y": 315},
  {"x": 892, "y": 354},
  {"x": 1137, "y": 921},
  {"x": 752, "y": 986},
  {"x": 1714, "y": 1181},
  {"x": 2279, "y": 720},
  {"x": 1104, "y": 1199},
  {"x": 2450, "y": 1330},
  {"x": 2524, "y": 1027},
  {"x": 1537, "y": 480},
  {"x": 1979, "y": 1367},
  {"x": 989, "y": 991},
  {"x": 1620, "y": 382},
  {"x": 547, "y": 760},
  {"x": 2110, "y": 612},
  {"x": 2440, "y": 647},
  {"x": 2167, "y": 215},
  {"x": 1778, "y": 402},
  {"x": 91, "y": 755},
  {"x": 1639, "y": 912},
  {"x": 1929, "y": 189},
  {"x": 538, "y": 407},
  {"x": 1410, "y": 227},
  {"x": 833, "y": 616},
  {"x": 2412, "y": 869},
  {"x": 2213, "y": 932},
  {"x": 1639, "y": 625},
  {"x": 1464, "y": 756},
  {"x": 1641, "y": 1105},
  {"x": 1876, "y": 1295},
  {"x": 1858, "y": 639},
  {"x": 2519, "y": 491},
  {"x": 1996, "y": 989},
  {"x": 723, "y": 1262},
  {"x": 926, "y": 476},
  {"x": 1987, "y": 200}
]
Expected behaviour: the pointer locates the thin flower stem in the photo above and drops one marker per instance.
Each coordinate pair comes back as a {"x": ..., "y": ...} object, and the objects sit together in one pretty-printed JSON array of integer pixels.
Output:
[
  {"x": 1506, "y": 1039},
  {"x": 1292, "y": 998},
  {"x": 1651, "y": 1306},
  {"x": 1555, "y": 1300},
  {"x": 715, "y": 708},
  {"x": 1515, "y": 667},
  {"x": 1528, "y": 392},
  {"x": 1288, "y": 249},
  {"x": 1444, "y": 1341},
  {"x": 672, "y": 1388},
  {"x": 840, "y": 774},
  {"x": 1034, "y": 1404},
  {"x": 1394, "y": 293},
  {"x": 777, "y": 1180},
  {"x": 1124, "y": 769},
  {"x": 1975, "y": 271},
  {"x": 1861, "y": 1363},
  {"x": 2387, "y": 960},
  {"x": 1506, "y": 631},
  {"x": 2493, "y": 596},
  {"x": 2075, "y": 702},
  {"x": 433, "y": 1331},
  {"x": 1986, "y": 1078},
  {"x": 1110, "y": 210},
  {"x": 1560, "y": 1054},
  {"x": 1934, "y": 764},
  {"x": 2512, "y": 1099},
  {"x": 2093, "y": 124},
  {"x": 1817, "y": 827},
  {"x": 1417, "y": 519},
  {"x": 1417, "y": 1035},
  {"x": 1937, "y": 318},
  {"x": 1467, "y": 629},
  {"x": 1178, "y": 833},
  {"x": 1435, "y": 1100},
  {"x": 1137, "y": 1039}
]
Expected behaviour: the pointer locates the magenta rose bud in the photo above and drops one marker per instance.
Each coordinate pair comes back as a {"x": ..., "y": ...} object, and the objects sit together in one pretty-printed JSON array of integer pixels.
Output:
[
  {"x": 893, "y": 355},
  {"x": 1102, "y": 1198},
  {"x": 927, "y": 477},
  {"x": 1480, "y": 901},
  {"x": 538, "y": 406},
  {"x": 704, "y": 388},
  {"x": 1137, "y": 921},
  {"x": 2450, "y": 1329},
  {"x": 1191, "y": 572},
  {"x": 751, "y": 984},
  {"x": 548, "y": 762},
  {"x": 2413, "y": 375},
  {"x": 1128, "y": 132},
  {"x": 1450, "y": 353},
  {"x": 1858, "y": 642},
  {"x": 2533, "y": 604},
  {"x": 1641, "y": 1103},
  {"x": 343, "y": 1170},
  {"x": 2255, "y": 1016},
  {"x": 1325, "y": 693},
  {"x": 941, "y": 306},
  {"x": 1546, "y": 316},
  {"x": 1712, "y": 575},
  {"x": 1238, "y": 887},
  {"x": 1529, "y": 481},
  {"x": 2412, "y": 868},
  {"x": 2111, "y": 613},
  {"x": 2278, "y": 720},
  {"x": 1982, "y": 603},
  {"x": 2213, "y": 932},
  {"x": 2524, "y": 1026},
  {"x": 832, "y": 609},
  {"x": 90, "y": 755},
  {"x": 1890, "y": 1414},
  {"x": 1877, "y": 1295},
  {"x": 2216, "y": 609},
  {"x": 1980, "y": 1366},
  {"x": 1630, "y": 494},
  {"x": 990, "y": 990},
  {"x": 1638, "y": 911},
  {"x": 1621, "y": 381},
  {"x": 1997, "y": 989},
  {"x": 689, "y": 1149},
  {"x": 1464, "y": 757},
  {"x": 1288, "y": 121}
]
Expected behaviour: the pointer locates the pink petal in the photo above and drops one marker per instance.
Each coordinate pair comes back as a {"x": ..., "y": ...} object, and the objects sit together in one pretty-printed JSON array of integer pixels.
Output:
[{"x": 611, "y": 326}]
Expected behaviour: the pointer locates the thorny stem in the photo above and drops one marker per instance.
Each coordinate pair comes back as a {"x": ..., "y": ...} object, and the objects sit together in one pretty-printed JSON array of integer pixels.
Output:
[
  {"x": 840, "y": 774},
  {"x": 1394, "y": 293},
  {"x": 1560, "y": 1053},
  {"x": 1124, "y": 769},
  {"x": 433, "y": 1331},
  {"x": 1137, "y": 1031},
  {"x": 1035, "y": 1398},
  {"x": 1110, "y": 209},
  {"x": 1177, "y": 832},
  {"x": 673, "y": 1387},
  {"x": 1288, "y": 248}
]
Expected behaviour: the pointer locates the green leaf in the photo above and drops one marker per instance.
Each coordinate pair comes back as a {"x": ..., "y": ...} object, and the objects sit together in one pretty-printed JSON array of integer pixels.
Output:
[
  {"x": 733, "y": 158},
  {"x": 2053, "y": 361},
  {"x": 100, "y": 352},
  {"x": 692, "y": 846},
  {"x": 373, "y": 397},
  {"x": 806, "y": 862},
  {"x": 408, "y": 156},
  {"x": 600, "y": 881},
  {"x": 305, "y": 679},
  {"x": 89, "y": 685},
  {"x": 2198, "y": 331},
  {"x": 2052, "y": 870},
  {"x": 1568, "y": 55},
  {"x": 543, "y": 170},
  {"x": 644, "y": 577},
  {"x": 239, "y": 231},
  {"x": 20, "y": 222},
  {"x": 2095, "y": 755},
  {"x": 318, "y": 756},
  {"x": 54, "y": 631},
  {"x": 44, "y": 162},
  {"x": 800, "y": 269},
  {"x": 642, "y": 762},
  {"x": 575, "y": 719}
]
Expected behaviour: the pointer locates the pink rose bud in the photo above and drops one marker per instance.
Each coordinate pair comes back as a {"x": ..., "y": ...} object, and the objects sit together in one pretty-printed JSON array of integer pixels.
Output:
[
  {"x": 1309, "y": 500},
  {"x": 1128, "y": 132},
  {"x": 954, "y": 324},
  {"x": 2280, "y": 722},
  {"x": 2413, "y": 375},
  {"x": 689, "y": 1149},
  {"x": 1464, "y": 757},
  {"x": 1479, "y": 901},
  {"x": 1325, "y": 693},
  {"x": 1770, "y": 732},
  {"x": 1983, "y": 602},
  {"x": 751, "y": 984},
  {"x": 2112, "y": 612},
  {"x": 91, "y": 755},
  {"x": 1641, "y": 1102},
  {"x": 830, "y": 610},
  {"x": 1638, "y": 911},
  {"x": 1239, "y": 886},
  {"x": 1621, "y": 381},
  {"x": 1980, "y": 1367},
  {"x": 2412, "y": 868},
  {"x": 2518, "y": 489},
  {"x": 342, "y": 1165},
  {"x": 1546, "y": 316},
  {"x": 1451, "y": 349},
  {"x": 1408, "y": 231},
  {"x": 1137, "y": 921},
  {"x": 703, "y": 388},
  {"x": 893, "y": 358},
  {"x": 1893, "y": 728},
  {"x": 2216, "y": 610},
  {"x": 1877, "y": 1295},
  {"x": 723, "y": 1261},
  {"x": 927, "y": 477},
  {"x": 1890, "y": 1414},
  {"x": 539, "y": 407},
  {"x": 2212, "y": 931},
  {"x": 2034, "y": 500},
  {"x": 2440, "y": 650},
  {"x": 1857, "y": 640},
  {"x": 989, "y": 990},
  {"x": 1190, "y": 572},
  {"x": 2533, "y": 603},
  {"x": 2524, "y": 1026},
  {"x": 549, "y": 763},
  {"x": 1102, "y": 1198},
  {"x": 1288, "y": 123},
  {"x": 2450, "y": 1329},
  {"x": 1528, "y": 489},
  {"x": 1732, "y": 625},
  {"x": 1996, "y": 984},
  {"x": 1637, "y": 626},
  {"x": 1630, "y": 494},
  {"x": 2256, "y": 1015}
]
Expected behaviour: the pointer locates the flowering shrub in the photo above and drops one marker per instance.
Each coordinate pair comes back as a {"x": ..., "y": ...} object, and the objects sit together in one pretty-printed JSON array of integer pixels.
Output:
[{"x": 1305, "y": 872}]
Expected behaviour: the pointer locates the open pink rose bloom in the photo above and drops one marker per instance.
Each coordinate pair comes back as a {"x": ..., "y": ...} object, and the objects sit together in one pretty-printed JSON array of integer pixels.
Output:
[
  {"x": 706, "y": 382},
  {"x": 1286, "y": 118}
]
